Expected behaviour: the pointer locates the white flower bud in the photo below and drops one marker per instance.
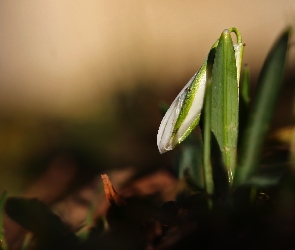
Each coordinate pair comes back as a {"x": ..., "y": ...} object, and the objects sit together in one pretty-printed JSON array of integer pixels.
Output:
[{"x": 184, "y": 113}]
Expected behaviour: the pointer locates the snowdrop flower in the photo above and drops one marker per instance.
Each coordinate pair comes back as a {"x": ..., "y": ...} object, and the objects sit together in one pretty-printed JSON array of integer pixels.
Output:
[{"x": 184, "y": 113}]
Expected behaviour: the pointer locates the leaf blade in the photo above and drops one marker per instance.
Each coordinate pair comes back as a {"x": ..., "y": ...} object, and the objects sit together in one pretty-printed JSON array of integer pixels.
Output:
[
  {"x": 263, "y": 105},
  {"x": 224, "y": 108}
]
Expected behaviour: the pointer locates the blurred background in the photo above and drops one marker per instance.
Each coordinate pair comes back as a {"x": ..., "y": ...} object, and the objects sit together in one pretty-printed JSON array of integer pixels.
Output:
[{"x": 80, "y": 81}]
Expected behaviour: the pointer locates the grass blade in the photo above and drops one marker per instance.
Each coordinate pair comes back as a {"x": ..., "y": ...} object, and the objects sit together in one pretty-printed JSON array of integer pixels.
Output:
[
  {"x": 225, "y": 101},
  {"x": 263, "y": 108},
  {"x": 244, "y": 102},
  {"x": 245, "y": 87}
]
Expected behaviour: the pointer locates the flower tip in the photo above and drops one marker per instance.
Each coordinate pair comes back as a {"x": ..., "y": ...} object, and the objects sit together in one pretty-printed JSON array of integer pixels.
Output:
[
  {"x": 163, "y": 150},
  {"x": 163, "y": 145},
  {"x": 225, "y": 34},
  {"x": 226, "y": 31}
]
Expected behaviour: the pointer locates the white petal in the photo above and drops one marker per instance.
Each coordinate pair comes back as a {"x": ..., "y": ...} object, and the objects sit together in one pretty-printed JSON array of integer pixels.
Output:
[
  {"x": 164, "y": 137},
  {"x": 195, "y": 109},
  {"x": 239, "y": 50}
]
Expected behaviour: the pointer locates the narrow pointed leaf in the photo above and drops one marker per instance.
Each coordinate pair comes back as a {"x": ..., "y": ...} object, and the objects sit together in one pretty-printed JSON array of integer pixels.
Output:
[
  {"x": 244, "y": 103},
  {"x": 208, "y": 173},
  {"x": 267, "y": 91},
  {"x": 245, "y": 86},
  {"x": 225, "y": 101}
]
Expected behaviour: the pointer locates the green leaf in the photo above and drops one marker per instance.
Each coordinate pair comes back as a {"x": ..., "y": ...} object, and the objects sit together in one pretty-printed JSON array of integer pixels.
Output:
[
  {"x": 268, "y": 87},
  {"x": 245, "y": 86},
  {"x": 190, "y": 162},
  {"x": 208, "y": 174},
  {"x": 225, "y": 101},
  {"x": 244, "y": 102}
]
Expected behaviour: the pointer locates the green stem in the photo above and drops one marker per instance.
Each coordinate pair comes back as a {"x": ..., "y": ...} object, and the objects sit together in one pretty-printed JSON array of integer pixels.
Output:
[
  {"x": 238, "y": 34},
  {"x": 208, "y": 175},
  {"x": 207, "y": 141}
]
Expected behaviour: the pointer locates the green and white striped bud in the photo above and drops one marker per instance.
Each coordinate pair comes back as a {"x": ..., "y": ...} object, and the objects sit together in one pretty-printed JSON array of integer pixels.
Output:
[{"x": 184, "y": 113}]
